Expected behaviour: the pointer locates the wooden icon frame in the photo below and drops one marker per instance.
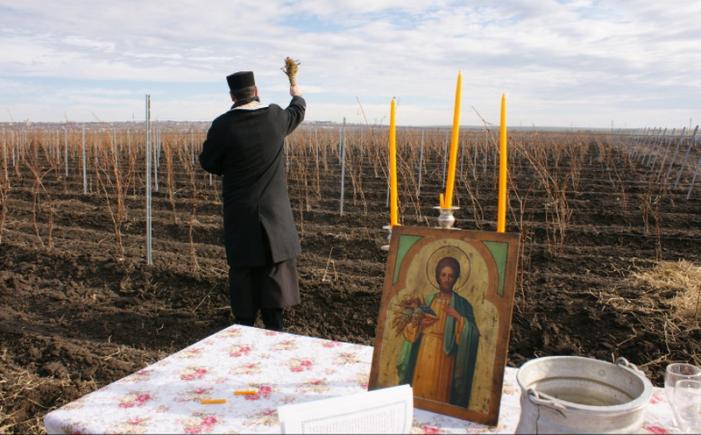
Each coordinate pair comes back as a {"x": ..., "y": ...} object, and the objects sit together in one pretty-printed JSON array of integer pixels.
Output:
[{"x": 487, "y": 263}]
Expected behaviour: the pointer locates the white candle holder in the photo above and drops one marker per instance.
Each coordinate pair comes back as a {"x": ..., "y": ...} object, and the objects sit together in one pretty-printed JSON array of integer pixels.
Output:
[
  {"x": 389, "y": 237},
  {"x": 446, "y": 220}
]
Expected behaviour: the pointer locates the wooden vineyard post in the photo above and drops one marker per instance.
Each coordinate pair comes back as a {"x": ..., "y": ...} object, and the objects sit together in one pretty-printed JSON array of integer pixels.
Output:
[
  {"x": 159, "y": 144},
  {"x": 114, "y": 141},
  {"x": 14, "y": 140},
  {"x": 316, "y": 144},
  {"x": 85, "y": 166},
  {"x": 96, "y": 159},
  {"x": 4, "y": 186},
  {"x": 462, "y": 157},
  {"x": 421, "y": 163},
  {"x": 659, "y": 144},
  {"x": 475, "y": 152},
  {"x": 156, "y": 155},
  {"x": 342, "y": 155},
  {"x": 340, "y": 139},
  {"x": 192, "y": 147},
  {"x": 57, "y": 147},
  {"x": 484, "y": 158},
  {"x": 495, "y": 155},
  {"x": 4, "y": 157},
  {"x": 149, "y": 254},
  {"x": 65, "y": 150},
  {"x": 692, "y": 140}
]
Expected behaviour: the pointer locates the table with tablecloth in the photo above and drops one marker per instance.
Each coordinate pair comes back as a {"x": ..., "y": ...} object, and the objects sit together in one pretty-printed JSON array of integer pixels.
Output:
[{"x": 281, "y": 368}]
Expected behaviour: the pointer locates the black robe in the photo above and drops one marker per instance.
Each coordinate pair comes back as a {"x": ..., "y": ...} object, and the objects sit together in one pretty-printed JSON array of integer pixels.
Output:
[{"x": 246, "y": 147}]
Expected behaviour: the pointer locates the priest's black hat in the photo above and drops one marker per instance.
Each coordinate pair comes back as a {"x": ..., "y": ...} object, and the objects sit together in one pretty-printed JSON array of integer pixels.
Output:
[{"x": 241, "y": 79}]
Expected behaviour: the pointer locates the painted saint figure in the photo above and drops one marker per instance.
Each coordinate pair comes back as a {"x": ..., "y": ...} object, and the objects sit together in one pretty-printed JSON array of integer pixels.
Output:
[{"x": 439, "y": 353}]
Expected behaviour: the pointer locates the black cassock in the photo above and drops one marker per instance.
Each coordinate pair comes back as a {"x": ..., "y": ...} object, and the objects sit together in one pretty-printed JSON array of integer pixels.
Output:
[{"x": 246, "y": 147}]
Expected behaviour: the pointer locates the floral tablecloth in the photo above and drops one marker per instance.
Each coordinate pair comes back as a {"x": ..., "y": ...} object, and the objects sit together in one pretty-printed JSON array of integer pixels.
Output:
[{"x": 283, "y": 368}]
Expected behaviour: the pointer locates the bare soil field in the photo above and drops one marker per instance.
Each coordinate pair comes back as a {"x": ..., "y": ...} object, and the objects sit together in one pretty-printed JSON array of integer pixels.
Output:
[{"x": 609, "y": 266}]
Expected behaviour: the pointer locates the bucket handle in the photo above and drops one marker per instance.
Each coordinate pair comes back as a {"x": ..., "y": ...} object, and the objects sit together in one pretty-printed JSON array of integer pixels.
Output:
[
  {"x": 624, "y": 363},
  {"x": 546, "y": 400}
]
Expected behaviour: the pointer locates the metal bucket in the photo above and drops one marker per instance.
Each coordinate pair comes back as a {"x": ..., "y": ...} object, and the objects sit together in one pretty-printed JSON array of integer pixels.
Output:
[{"x": 570, "y": 394}]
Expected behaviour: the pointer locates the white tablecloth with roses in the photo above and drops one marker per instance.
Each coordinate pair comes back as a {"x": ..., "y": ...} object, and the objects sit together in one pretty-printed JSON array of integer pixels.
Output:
[{"x": 284, "y": 368}]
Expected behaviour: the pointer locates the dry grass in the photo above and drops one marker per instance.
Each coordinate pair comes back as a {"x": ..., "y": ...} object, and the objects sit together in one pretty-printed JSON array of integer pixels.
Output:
[
  {"x": 21, "y": 386},
  {"x": 682, "y": 276}
]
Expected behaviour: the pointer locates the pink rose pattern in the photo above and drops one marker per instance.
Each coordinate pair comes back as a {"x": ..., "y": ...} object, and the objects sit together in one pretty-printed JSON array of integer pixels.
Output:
[
  {"x": 285, "y": 345},
  {"x": 132, "y": 400},
  {"x": 330, "y": 344},
  {"x": 657, "y": 397},
  {"x": 239, "y": 350},
  {"x": 195, "y": 394},
  {"x": 246, "y": 369},
  {"x": 300, "y": 364},
  {"x": 73, "y": 428},
  {"x": 284, "y": 368},
  {"x": 232, "y": 332},
  {"x": 659, "y": 430},
  {"x": 429, "y": 430},
  {"x": 199, "y": 423},
  {"x": 194, "y": 352},
  {"x": 193, "y": 373},
  {"x": 264, "y": 392},
  {"x": 133, "y": 425},
  {"x": 140, "y": 376},
  {"x": 362, "y": 380},
  {"x": 316, "y": 386},
  {"x": 264, "y": 417},
  {"x": 345, "y": 358}
]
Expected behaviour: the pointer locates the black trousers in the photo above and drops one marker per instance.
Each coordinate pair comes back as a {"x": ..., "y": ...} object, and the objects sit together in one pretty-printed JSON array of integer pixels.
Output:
[
  {"x": 257, "y": 289},
  {"x": 267, "y": 288},
  {"x": 272, "y": 319}
]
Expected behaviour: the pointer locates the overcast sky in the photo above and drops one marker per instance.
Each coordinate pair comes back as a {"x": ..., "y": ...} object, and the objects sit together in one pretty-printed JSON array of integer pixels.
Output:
[{"x": 561, "y": 63}]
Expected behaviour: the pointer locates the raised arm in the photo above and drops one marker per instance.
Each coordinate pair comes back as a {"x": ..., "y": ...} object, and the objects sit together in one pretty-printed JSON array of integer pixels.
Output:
[
  {"x": 212, "y": 156},
  {"x": 295, "y": 111}
]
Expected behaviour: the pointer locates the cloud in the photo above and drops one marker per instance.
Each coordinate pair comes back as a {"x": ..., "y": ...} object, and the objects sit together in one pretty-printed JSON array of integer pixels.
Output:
[{"x": 562, "y": 62}]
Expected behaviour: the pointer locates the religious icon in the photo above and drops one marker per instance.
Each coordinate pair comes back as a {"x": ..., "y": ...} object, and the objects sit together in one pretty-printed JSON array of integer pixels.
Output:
[{"x": 445, "y": 319}]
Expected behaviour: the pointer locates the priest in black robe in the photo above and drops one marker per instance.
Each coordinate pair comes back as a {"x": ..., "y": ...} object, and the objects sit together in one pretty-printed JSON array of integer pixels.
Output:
[{"x": 246, "y": 147}]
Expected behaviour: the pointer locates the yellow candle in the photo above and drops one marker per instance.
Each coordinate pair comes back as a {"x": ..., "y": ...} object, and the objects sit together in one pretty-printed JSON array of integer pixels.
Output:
[
  {"x": 452, "y": 162},
  {"x": 393, "y": 209},
  {"x": 503, "y": 160}
]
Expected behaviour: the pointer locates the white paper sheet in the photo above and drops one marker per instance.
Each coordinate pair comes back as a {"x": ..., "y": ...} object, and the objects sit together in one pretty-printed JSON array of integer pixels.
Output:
[{"x": 388, "y": 410}]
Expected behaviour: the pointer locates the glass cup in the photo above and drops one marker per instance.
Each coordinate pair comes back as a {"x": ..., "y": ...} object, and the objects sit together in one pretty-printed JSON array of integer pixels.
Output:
[
  {"x": 677, "y": 372},
  {"x": 687, "y": 404}
]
